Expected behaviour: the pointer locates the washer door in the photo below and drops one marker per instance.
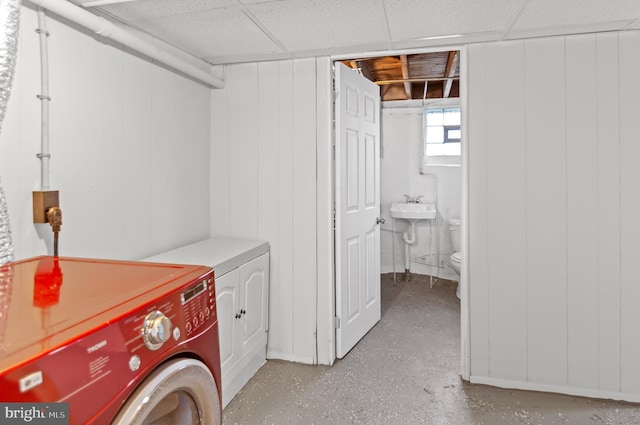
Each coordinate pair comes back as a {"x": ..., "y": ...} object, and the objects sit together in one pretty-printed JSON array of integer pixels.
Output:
[{"x": 182, "y": 391}]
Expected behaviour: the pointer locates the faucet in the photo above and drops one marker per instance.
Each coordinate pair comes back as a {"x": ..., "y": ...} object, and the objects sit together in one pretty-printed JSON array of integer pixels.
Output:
[{"x": 412, "y": 199}]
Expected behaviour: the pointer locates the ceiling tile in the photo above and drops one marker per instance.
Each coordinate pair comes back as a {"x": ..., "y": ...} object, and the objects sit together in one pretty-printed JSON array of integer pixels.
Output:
[
  {"x": 145, "y": 9},
  {"x": 316, "y": 24},
  {"x": 412, "y": 19},
  {"x": 214, "y": 32},
  {"x": 554, "y": 13}
]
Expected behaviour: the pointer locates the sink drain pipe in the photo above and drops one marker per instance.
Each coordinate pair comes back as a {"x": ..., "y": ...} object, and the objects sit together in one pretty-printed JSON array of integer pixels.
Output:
[{"x": 409, "y": 238}]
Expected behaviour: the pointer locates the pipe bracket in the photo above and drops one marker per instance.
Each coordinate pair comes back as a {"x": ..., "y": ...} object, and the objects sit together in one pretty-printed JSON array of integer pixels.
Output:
[
  {"x": 43, "y": 155},
  {"x": 41, "y": 31},
  {"x": 41, "y": 97}
]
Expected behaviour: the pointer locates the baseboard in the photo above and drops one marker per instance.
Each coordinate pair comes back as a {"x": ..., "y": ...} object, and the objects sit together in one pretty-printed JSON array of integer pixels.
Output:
[
  {"x": 276, "y": 355},
  {"x": 532, "y": 386}
]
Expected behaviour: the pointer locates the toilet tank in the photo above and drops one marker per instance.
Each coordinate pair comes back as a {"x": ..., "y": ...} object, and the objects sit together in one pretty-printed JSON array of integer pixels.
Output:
[{"x": 454, "y": 233}]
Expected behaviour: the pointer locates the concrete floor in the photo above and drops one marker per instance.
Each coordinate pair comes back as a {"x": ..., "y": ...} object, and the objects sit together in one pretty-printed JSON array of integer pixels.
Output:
[{"x": 406, "y": 371}]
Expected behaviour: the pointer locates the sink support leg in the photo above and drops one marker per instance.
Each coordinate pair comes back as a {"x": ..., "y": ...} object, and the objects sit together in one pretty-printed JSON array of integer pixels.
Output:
[{"x": 393, "y": 248}]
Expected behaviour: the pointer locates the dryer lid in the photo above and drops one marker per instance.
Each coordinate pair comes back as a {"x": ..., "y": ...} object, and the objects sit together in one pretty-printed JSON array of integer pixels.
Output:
[{"x": 58, "y": 299}]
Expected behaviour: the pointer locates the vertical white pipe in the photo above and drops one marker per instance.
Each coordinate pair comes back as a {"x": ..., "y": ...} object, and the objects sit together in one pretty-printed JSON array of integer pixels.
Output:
[{"x": 44, "y": 154}]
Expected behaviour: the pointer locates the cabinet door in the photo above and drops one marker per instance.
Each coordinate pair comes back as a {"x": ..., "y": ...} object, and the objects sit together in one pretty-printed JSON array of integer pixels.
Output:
[
  {"x": 227, "y": 298},
  {"x": 254, "y": 279}
]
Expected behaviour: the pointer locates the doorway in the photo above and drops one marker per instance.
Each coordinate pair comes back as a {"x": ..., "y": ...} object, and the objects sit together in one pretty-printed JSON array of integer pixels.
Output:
[{"x": 410, "y": 86}]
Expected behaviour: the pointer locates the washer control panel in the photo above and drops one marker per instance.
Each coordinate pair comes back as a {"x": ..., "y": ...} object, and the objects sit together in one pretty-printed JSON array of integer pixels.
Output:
[
  {"x": 171, "y": 319},
  {"x": 198, "y": 304}
]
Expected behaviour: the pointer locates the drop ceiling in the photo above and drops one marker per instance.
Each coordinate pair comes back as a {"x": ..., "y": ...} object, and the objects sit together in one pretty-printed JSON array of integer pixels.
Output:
[
  {"x": 232, "y": 31},
  {"x": 227, "y": 31}
]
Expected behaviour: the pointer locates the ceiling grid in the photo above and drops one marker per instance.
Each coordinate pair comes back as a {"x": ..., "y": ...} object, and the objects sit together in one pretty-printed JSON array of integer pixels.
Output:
[{"x": 231, "y": 31}]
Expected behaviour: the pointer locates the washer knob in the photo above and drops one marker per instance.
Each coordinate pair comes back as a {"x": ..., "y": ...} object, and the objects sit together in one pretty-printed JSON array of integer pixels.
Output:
[
  {"x": 156, "y": 330},
  {"x": 134, "y": 363}
]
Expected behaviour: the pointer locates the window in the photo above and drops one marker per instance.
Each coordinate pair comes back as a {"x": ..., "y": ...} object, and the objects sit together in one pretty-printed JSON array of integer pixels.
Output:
[
  {"x": 441, "y": 136},
  {"x": 451, "y": 134}
]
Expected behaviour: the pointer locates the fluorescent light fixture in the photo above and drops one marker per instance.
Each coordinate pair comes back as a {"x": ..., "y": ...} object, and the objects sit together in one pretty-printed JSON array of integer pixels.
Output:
[{"x": 441, "y": 37}]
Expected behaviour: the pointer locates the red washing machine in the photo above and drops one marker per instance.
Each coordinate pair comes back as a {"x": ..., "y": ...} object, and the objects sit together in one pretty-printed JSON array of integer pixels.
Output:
[{"x": 120, "y": 342}]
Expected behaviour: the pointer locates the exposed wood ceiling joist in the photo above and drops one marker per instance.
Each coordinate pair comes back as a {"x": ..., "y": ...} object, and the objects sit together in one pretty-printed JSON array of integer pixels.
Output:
[
  {"x": 406, "y": 75},
  {"x": 417, "y": 76},
  {"x": 450, "y": 71},
  {"x": 413, "y": 80}
]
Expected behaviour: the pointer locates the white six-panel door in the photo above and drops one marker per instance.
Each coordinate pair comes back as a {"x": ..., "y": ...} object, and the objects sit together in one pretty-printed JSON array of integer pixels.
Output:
[{"x": 357, "y": 207}]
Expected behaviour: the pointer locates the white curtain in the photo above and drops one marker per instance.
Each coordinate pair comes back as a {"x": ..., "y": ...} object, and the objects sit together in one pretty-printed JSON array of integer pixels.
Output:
[{"x": 9, "y": 33}]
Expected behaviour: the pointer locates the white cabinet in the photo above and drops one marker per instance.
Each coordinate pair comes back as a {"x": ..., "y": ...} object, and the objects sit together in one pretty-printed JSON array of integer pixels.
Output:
[
  {"x": 241, "y": 270},
  {"x": 242, "y": 303}
]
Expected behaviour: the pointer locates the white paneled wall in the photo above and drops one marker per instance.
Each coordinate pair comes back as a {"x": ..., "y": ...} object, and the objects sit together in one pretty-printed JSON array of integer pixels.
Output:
[
  {"x": 264, "y": 187},
  {"x": 545, "y": 244},
  {"x": 129, "y": 144},
  {"x": 554, "y": 229},
  {"x": 629, "y": 226}
]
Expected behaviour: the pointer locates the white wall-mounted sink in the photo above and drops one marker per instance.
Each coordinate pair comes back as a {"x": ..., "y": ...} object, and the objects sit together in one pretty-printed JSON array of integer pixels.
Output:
[{"x": 413, "y": 211}]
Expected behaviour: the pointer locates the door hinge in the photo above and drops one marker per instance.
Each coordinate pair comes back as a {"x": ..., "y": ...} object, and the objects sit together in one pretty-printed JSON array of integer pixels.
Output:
[
  {"x": 334, "y": 217},
  {"x": 336, "y": 322}
]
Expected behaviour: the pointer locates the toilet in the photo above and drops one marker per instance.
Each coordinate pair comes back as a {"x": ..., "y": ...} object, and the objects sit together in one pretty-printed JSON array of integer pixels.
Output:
[{"x": 456, "y": 257}]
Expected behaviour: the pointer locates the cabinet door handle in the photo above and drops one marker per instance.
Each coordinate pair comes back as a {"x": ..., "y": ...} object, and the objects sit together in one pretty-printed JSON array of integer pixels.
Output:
[
  {"x": 238, "y": 316},
  {"x": 243, "y": 312}
]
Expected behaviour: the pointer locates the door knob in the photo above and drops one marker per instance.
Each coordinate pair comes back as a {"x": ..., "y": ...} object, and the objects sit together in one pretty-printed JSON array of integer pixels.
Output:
[{"x": 380, "y": 220}]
